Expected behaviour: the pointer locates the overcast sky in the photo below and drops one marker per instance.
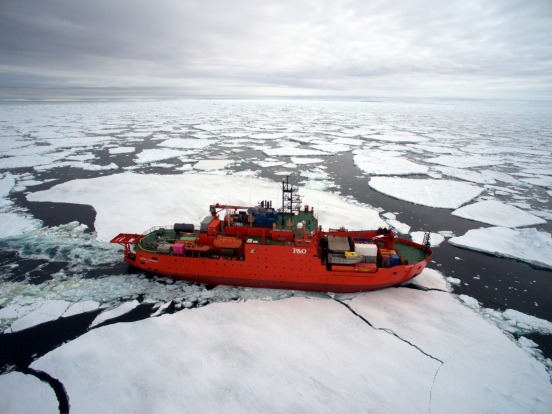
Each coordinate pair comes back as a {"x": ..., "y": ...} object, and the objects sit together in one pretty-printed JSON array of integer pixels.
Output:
[{"x": 490, "y": 49}]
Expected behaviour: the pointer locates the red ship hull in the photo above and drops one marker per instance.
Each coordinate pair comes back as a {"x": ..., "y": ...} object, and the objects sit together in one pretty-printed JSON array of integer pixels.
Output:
[{"x": 274, "y": 267}]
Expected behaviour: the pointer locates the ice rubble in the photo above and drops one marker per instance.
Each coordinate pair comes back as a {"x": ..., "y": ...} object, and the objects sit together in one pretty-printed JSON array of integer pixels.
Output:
[
  {"x": 498, "y": 214},
  {"x": 427, "y": 192},
  {"x": 527, "y": 244},
  {"x": 321, "y": 357}
]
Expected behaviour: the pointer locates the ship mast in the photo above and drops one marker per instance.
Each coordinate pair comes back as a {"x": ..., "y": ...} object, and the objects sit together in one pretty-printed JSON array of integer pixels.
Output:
[{"x": 291, "y": 200}]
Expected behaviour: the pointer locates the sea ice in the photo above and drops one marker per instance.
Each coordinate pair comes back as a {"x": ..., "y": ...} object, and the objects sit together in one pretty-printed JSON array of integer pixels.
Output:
[
  {"x": 210, "y": 165},
  {"x": 466, "y": 175},
  {"x": 498, "y": 214},
  {"x": 423, "y": 346},
  {"x": 468, "y": 348},
  {"x": 20, "y": 393},
  {"x": 427, "y": 192},
  {"x": 120, "y": 310},
  {"x": 158, "y": 154},
  {"x": 543, "y": 181},
  {"x": 47, "y": 311},
  {"x": 431, "y": 279},
  {"x": 464, "y": 161},
  {"x": 121, "y": 150},
  {"x": 301, "y": 161},
  {"x": 435, "y": 239},
  {"x": 81, "y": 307},
  {"x": 187, "y": 143},
  {"x": 14, "y": 223},
  {"x": 292, "y": 151},
  {"x": 332, "y": 147},
  {"x": 163, "y": 208},
  {"x": 398, "y": 136},
  {"x": 375, "y": 162},
  {"x": 526, "y": 244}
]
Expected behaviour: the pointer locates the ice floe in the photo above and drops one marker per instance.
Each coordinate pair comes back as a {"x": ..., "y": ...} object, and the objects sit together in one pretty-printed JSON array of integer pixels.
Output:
[
  {"x": 292, "y": 151},
  {"x": 498, "y": 214},
  {"x": 427, "y": 192},
  {"x": 464, "y": 161},
  {"x": 159, "y": 154},
  {"x": 386, "y": 163},
  {"x": 121, "y": 150},
  {"x": 210, "y": 165},
  {"x": 186, "y": 143},
  {"x": 423, "y": 346},
  {"x": 120, "y": 310},
  {"x": 14, "y": 223},
  {"x": 21, "y": 393},
  {"x": 162, "y": 207},
  {"x": 435, "y": 239},
  {"x": 47, "y": 311},
  {"x": 526, "y": 244},
  {"x": 467, "y": 175}
]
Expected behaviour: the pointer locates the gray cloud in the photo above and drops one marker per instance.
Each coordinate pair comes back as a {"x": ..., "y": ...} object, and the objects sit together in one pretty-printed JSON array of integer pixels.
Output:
[{"x": 355, "y": 48}]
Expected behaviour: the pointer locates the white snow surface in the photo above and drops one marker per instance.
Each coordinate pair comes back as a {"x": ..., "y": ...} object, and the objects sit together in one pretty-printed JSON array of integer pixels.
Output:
[
  {"x": 120, "y": 310},
  {"x": 210, "y": 165},
  {"x": 526, "y": 244},
  {"x": 427, "y": 192},
  {"x": 465, "y": 161},
  {"x": 304, "y": 355},
  {"x": 435, "y": 239},
  {"x": 21, "y": 393},
  {"x": 498, "y": 214},
  {"x": 144, "y": 201},
  {"x": 13, "y": 223},
  {"x": 386, "y": 163},
  {"x": 48, "y": 311}
]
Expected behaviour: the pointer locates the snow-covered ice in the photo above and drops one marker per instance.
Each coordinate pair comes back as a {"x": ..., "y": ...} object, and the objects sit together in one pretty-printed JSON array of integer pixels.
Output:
[
  {"x": 48, "y": 311},
  {"x": 293, "y": 151},
  {"x": 435, "y": 239},
  {"x": 498, "y": 214},
  {"x": 124, "y": 308},
  {"x": 153, "y": 205},
  {"x": 15, "y": 223},
  {"x": 304, "y": 354},
  {"x": 20, "y": 393},
  {"x": 526, "y": 244},
  {"x": 210, "y": 165},
  {"x": 464, "y": 161},
  {"x": 427, "y": 192},
  {"x": 386, "y": 163}
]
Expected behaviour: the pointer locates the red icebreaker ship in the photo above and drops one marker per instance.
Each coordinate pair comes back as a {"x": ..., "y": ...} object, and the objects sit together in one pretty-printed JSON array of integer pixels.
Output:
[{"x": 279, "y": 249}]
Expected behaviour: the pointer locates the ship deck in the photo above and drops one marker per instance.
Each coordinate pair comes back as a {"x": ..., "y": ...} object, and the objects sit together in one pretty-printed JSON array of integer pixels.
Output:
[{"x": 410, "y": 253}]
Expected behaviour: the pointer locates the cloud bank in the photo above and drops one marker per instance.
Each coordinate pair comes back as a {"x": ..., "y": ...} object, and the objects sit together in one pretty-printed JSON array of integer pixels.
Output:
[{"x": 322, "y": 48}]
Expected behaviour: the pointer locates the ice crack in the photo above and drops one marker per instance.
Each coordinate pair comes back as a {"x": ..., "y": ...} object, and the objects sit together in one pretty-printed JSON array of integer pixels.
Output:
[
  {"x": 57, "y": 387},
  {"x": 389, "y": 331}
]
